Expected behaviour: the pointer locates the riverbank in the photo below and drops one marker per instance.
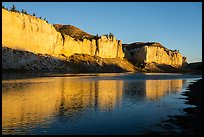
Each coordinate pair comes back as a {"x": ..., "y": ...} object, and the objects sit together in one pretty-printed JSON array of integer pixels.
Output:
[{"x": 191, "y": 122}]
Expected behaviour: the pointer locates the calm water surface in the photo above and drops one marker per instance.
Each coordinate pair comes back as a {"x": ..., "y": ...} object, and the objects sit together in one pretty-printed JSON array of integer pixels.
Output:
[{"x": 110, "y": 103}]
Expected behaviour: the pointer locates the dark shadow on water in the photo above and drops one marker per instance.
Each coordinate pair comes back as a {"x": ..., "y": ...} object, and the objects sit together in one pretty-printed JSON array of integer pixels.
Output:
[{"x": 192, "y": 122}]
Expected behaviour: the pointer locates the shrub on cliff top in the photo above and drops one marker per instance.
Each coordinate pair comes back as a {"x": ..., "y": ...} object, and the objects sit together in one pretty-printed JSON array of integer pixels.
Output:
[
  {"x": 4, "y": 7},
  {"x": 110, "y": 35},
  {"x": 13, "y": 8},
  {"x": 24, "y": 11},
  {"x": 96, "y": 37}
]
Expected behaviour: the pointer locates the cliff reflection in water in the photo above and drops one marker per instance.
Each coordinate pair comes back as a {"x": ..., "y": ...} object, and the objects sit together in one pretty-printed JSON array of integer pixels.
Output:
[
  {"x": 33, "y": 101},
  {"x": 150, "y": 89},
  {"x": 158, "y": 88}
]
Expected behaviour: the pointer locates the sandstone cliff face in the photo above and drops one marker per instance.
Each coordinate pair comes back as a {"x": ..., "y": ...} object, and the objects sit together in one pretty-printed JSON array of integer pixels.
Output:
[
  {"x": 161, "y": 56},
  {"x": 103, "y": 47},
  {"x": 28, "y": 33},
  {"x": 25, "y": 32},
  {"x": 107, "y": 45},
  {"x": 148, "y": 53}
]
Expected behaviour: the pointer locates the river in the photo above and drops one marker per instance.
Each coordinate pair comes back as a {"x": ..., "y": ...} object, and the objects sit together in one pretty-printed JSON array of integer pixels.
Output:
[{"x": 99, "y": 103}]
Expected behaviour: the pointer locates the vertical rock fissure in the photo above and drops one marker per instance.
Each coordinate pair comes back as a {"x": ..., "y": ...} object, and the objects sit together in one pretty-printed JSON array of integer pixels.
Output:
[
  {"x": 97, "y": 47},
  {"x": 118, "y": 46},
  {"x": 63, "y": 40}
]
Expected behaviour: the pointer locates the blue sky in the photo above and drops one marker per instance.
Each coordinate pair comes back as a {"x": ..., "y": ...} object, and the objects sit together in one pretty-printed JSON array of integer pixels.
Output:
[{"x": 176, "y": 25}]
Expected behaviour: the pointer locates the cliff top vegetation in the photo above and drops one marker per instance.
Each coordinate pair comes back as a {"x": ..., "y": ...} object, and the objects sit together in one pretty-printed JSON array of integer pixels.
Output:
[
  {"x": 70, "y": 30},
  {"x": 23, "y": 11}
]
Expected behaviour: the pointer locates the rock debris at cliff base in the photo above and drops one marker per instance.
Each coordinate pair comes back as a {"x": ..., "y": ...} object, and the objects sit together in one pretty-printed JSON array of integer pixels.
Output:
[{"x": 24, "y": 61}]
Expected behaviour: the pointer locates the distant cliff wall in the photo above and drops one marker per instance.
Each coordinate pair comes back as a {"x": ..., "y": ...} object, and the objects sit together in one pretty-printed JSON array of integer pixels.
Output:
[
  {"x": 29, "y": 33},
  {"x": 154, "y": 53},
  {"x": 161, "y": 56}
]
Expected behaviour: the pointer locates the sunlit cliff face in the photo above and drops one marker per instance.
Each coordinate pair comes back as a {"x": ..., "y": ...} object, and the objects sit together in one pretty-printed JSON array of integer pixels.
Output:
[
  {"x": 29, "y": 102},
  {"x": 29, "y": 33}
]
